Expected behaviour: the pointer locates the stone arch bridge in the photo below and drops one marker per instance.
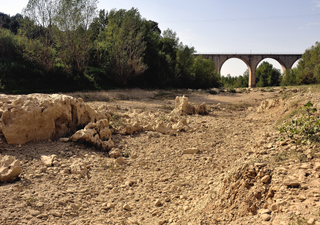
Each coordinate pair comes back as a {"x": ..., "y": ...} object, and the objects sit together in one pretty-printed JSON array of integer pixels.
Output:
[{"x": 252, "y": 61}]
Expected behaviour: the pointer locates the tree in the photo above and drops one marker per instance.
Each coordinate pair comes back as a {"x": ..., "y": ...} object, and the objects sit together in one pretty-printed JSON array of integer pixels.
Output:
[
  {"x": 205, "y": 73},
  {"x": 123, "y": 40},
  {"x": 308, "y": 66},
  {"x": 267, "y": 75},
  {"x": 72, "y": 37}
]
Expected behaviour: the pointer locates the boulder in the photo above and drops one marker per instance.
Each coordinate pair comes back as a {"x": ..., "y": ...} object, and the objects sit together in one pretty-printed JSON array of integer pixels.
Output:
[
  {"x": 9, "y": 168},
  {"x": 183, "y": 107},
  {"x": 41, "y": 116}
]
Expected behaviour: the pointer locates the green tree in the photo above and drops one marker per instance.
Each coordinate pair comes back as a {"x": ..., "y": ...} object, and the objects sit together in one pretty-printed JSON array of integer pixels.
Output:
[
  {"x": 72, "y": 37},
  {"x": 267, "y": 75},
  {"x": 123, "y": 45},
  {"x": 308, "y": 66},
  {"x": 205, "y": 73}
]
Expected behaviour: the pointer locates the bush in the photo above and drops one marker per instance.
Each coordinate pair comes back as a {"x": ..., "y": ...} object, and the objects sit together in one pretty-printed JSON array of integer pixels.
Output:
[{"x": 306, "y": 128}]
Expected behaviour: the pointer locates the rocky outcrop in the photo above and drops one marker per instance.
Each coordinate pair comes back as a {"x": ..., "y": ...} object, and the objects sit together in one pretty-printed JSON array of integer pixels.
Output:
[
  {"x": 9, "y": 168},
  {"x": 268, "y": 104},
  {"x": 183, "y": 107},
  {"x": 41, "y": 116},
  {"x": 97, "y": 134}
]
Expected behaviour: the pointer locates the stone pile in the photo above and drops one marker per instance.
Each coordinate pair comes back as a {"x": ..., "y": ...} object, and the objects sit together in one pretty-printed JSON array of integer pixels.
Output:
[{"x": 97, "y": 134}]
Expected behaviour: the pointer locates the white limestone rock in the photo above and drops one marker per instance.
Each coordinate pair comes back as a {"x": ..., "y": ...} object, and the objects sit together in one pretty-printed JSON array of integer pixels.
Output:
[
  {"x": 9, "y": 168},
  {"x": 41, "y": 116}
]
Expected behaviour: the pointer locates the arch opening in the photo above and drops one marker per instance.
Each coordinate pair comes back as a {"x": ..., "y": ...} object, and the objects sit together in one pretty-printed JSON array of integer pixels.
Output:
[
  {"x": 235, "y": 67},
  {"x": 275, "y": 63}
]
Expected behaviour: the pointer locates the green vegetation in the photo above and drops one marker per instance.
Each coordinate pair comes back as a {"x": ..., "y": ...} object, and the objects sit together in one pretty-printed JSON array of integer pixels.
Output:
[
  {"x": 305, "y": 128},
  {"x": 308, "y": 69},
  {"x": 69, "y": 45}
]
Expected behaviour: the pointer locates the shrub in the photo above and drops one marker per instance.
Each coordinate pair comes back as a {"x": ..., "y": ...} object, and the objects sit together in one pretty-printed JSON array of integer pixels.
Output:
[{"x": 305, "y": 128}]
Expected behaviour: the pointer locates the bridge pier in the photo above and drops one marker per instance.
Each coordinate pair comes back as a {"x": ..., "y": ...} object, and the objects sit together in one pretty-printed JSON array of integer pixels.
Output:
[{"x": 252, "y": 61}]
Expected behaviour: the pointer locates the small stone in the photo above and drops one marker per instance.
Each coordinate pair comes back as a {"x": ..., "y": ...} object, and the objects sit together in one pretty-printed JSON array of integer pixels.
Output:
[
  {"x": 34, "y": 212},
  {"x": 292, "y": 183},
  {"x": 64, "y": 139},
  {"x": 311, "y": 221},
  {"x": 265, "y": 179},
  {"x": 316, "y": 166},
  {"x": 120, "y": 161},
  {"x": 115, "y": 153},
  {"x": 158, "y": 203},
  {"x": 160, "y": 222},
  {"x": 56, "y": 213},
  {"x": 43, "y": 215},
  {"x": 266, "y": 211},
  {"x": 274, "y": 207},
  {"x": 191, "y": 151},
  {"x": 47, "y": 160},
  {"x": 265, "y": 217},
  {"x": 126, "y": 207},
  {"x": 305, "y": 166}
]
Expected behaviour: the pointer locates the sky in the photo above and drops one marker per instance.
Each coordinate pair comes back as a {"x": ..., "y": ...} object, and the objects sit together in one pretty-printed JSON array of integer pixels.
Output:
[{"x": 229, "y": 26}]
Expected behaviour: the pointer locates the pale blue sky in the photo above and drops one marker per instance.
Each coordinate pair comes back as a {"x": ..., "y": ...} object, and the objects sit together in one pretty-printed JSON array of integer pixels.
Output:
[{"x": 229, "y": 26}]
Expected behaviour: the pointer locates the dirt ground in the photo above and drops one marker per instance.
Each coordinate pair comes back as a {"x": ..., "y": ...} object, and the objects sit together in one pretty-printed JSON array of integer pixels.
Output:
[{"x": 158, "y": 183}]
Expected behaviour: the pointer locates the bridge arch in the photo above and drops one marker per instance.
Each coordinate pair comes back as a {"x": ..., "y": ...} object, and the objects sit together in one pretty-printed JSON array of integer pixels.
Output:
[
  {"x": 236, "y": 59},
  {"x": 252, "y": 61}
]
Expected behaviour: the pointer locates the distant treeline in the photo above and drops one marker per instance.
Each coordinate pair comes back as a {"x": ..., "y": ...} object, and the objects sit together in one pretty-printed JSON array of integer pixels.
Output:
[{"x": 69, "y": 46}]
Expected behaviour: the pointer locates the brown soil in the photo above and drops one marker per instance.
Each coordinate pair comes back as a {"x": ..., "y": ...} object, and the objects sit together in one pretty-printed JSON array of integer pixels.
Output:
[{"x": 158, "y": 184}]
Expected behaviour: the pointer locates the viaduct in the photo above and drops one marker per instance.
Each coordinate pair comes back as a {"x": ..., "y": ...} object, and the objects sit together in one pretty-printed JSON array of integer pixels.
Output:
[{"x": 252, "y": 61}]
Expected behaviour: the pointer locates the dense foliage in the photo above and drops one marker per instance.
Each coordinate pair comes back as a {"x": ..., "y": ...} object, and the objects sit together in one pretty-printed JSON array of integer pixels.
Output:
[
  {"x": 67, "y": 44},
  {"x": 236, "y": 82},
  {"x": 308, "y": 69}
]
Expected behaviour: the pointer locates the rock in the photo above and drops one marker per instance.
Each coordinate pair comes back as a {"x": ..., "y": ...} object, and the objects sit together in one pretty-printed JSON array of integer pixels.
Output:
[
  {"x": 161, "y": 128},
  {"x": 41, "y": 117},
  {"x": 316, "y": 166},
  {"x": 269, "y": 103},
  {"x": 190, "y": 151},
  {"x": 34, "y": 212},
  {"x": 266, "y": 211},
  {"x": 275, "y": 207},
  {"x": 43, "y": 215},
  {"x": 48, "y": 160},
  {"x": 115, "y": 153},
  {"x": 265, "y": 217},
  {"x": 120, "y": 161},
  {"x": 202, "y": 109},
  {"x": 56, "y": 214},
  {"x": 181, "y": 105},
  {"x": 158, "y": 203},
  {"x": 108, "y": 206},
  {"x": 311, "y": 221},
  {"x": 97, "y": 134},
  {"x": 126, "y": 207},
  {"x": 79, "y": 167},
  {"x": 292, "y": 183},
  {"x": 64, "y": 139},
  {"x": 9, "y": 168},
  {"x": 265, "y": 179}
]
